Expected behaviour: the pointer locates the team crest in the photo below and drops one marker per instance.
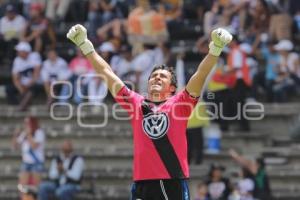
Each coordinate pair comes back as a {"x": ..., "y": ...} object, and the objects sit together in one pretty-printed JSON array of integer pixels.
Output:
[{"x": 156, "y": 125}]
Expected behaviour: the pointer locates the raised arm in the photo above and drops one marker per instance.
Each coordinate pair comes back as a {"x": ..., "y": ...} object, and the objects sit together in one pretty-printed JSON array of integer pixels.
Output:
[
  {"x": 78, "y": 35},
  {"x": 250, "y": 165},
  {"x": 220, "y": 37}
]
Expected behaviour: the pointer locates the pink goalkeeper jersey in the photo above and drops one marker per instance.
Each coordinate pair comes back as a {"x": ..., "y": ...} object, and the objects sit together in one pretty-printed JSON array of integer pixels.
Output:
[{"x": 159, "y": 134}]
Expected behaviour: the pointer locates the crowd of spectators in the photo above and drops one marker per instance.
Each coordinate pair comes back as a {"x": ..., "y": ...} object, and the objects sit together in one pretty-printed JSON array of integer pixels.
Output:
[{"x": 261, "y": 63}]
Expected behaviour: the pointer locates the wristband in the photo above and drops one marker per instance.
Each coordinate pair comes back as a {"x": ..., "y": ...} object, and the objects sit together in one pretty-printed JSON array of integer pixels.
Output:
[
  {"x": 214, "y": 50},
  {"x": 86, "y": 47}
]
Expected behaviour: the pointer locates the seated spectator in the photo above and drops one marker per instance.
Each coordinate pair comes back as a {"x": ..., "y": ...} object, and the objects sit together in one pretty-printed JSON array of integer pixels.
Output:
[
  {"x": 31, "y": 140},
  {"x": 143, "y": 63},
  {"x": 80, "y": 68},
  {"x": 257, "y": 169},
  {"x": 246, "y": 185},
  {"x": 121, "y": 64},
  {"x": 296, "y": 26},
  {"x": 65, "y": 175},
  {"x": 54, "y": 69},
  {"x": 289, "y": 71},
  {"x": 266, "y": 77},
  {"x": 38, "y": 30},
  {"x": 212, "y": 18},
  {"x": 171, "y": 9},
  {"x": 116, "y": 28},
  {"x": 280, "y": 26},
  {"x": 101, "y": 13},
  {"x": 57, "y": 10},
  {"x": 202, "y": 192},
  {"x": 25, "y": 75},
  {"x": 97, "y": 90},
  {"x": 218, "y": 186},
  {"x": 11, "y": 27},
  {"x": 260, "y": 15}
]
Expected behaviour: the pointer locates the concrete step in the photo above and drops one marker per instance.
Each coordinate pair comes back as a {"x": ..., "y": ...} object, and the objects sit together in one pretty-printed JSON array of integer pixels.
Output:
[
  {"x": 115, "y": 136},
  {"x": 110, "y": 109},
  {"x": 122, "y": 193}
]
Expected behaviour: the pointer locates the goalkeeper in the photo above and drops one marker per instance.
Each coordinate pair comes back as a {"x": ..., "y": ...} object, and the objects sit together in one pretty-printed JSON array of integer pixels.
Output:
[{"x": 160, "y": 164}]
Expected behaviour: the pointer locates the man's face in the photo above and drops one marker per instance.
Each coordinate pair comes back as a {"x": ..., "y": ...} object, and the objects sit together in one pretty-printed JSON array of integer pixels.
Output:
[
  {"x": 160, "y": 83},
  {"x": 67, "y": 148},
  {"x": 11, "y": 15},
  {"x": 217, "y": 174},
  {"x": 52, "y": 55}
]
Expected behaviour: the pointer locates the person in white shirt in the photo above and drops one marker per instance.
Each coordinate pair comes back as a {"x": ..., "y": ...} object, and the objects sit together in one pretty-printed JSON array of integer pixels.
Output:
[
  {"x": 289, "y": 71},
  {"x": 25, "y": 75},
  {"x": 31, "y": 140},
  {"x": 246, "y": 185},
  {"x": 55, "y": 69},
  {"x": 121, "y": 64},
  {"x": 11, "y": 27},
  {"x": 65, "y": 175}
]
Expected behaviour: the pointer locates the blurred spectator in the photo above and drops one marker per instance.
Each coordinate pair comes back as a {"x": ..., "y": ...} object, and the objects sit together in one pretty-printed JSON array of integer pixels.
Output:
[
  {"x": 280, "y": 26},
  {"x": 267, "y": 76},
  {"x": 116, "y": 28},
  {"x": 101, "y": 12},
  {"x": 198, "y": 119},
  {"x": 65, "y": 174},
  {"x": 257, "y": 169},
  {"x": 202, "y": 192},
  {"x": 77, "y": 12},
  {"x": 31, "y": 140},
  {"x": 97, "y": 89},
  {"x": 289, "y": 70},
  {"x": 143, "y": 64},
  {"x": 195, "y": 9},
  {"x": 147, "y": 26},
  {"x": 212, "y": 18},
  {"x": 80, "y": 68},
  {"x": 297, "y": 20},
  {"x": 11, "y": 27},
  {"x": 26, "y": 4},
  {"x": 239, "y": 67},
  {"x": 171, "y": 9},
  {"x": 25, "y": 74},
  {"x": 122, "y": 65},
  {"x": 246, "y": 185},
  {"x": 54, "y": 69},
  {"x": 218, "y": 186},
  {"x": 38, "y": 31},
  {"x": 56, "y": 10},
  {"x": 261, "y": 17}
]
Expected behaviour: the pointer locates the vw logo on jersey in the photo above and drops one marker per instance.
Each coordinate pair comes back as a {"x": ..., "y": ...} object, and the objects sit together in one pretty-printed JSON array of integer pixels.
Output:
[{"x": 156, "y": 125}]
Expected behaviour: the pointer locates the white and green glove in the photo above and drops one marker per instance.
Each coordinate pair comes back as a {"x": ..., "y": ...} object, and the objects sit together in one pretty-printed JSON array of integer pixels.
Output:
[
  {"x": 78, "y": 35},
  {"x": 220, "y": 37}
]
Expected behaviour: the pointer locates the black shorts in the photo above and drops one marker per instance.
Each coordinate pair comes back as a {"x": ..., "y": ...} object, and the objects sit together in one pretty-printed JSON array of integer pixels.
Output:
[{"x": 171, "y": 189}]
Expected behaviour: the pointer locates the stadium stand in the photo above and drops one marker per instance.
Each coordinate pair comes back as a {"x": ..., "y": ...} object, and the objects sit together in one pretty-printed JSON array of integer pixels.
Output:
[{"x": 108, "y": 152}]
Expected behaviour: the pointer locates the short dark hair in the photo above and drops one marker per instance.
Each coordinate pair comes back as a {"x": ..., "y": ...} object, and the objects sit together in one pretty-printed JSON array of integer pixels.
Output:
[{"x": 169, "y": 69}]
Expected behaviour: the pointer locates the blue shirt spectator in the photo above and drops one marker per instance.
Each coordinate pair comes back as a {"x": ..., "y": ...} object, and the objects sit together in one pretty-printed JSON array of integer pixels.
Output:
[{"x": 272, "y": 62}]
